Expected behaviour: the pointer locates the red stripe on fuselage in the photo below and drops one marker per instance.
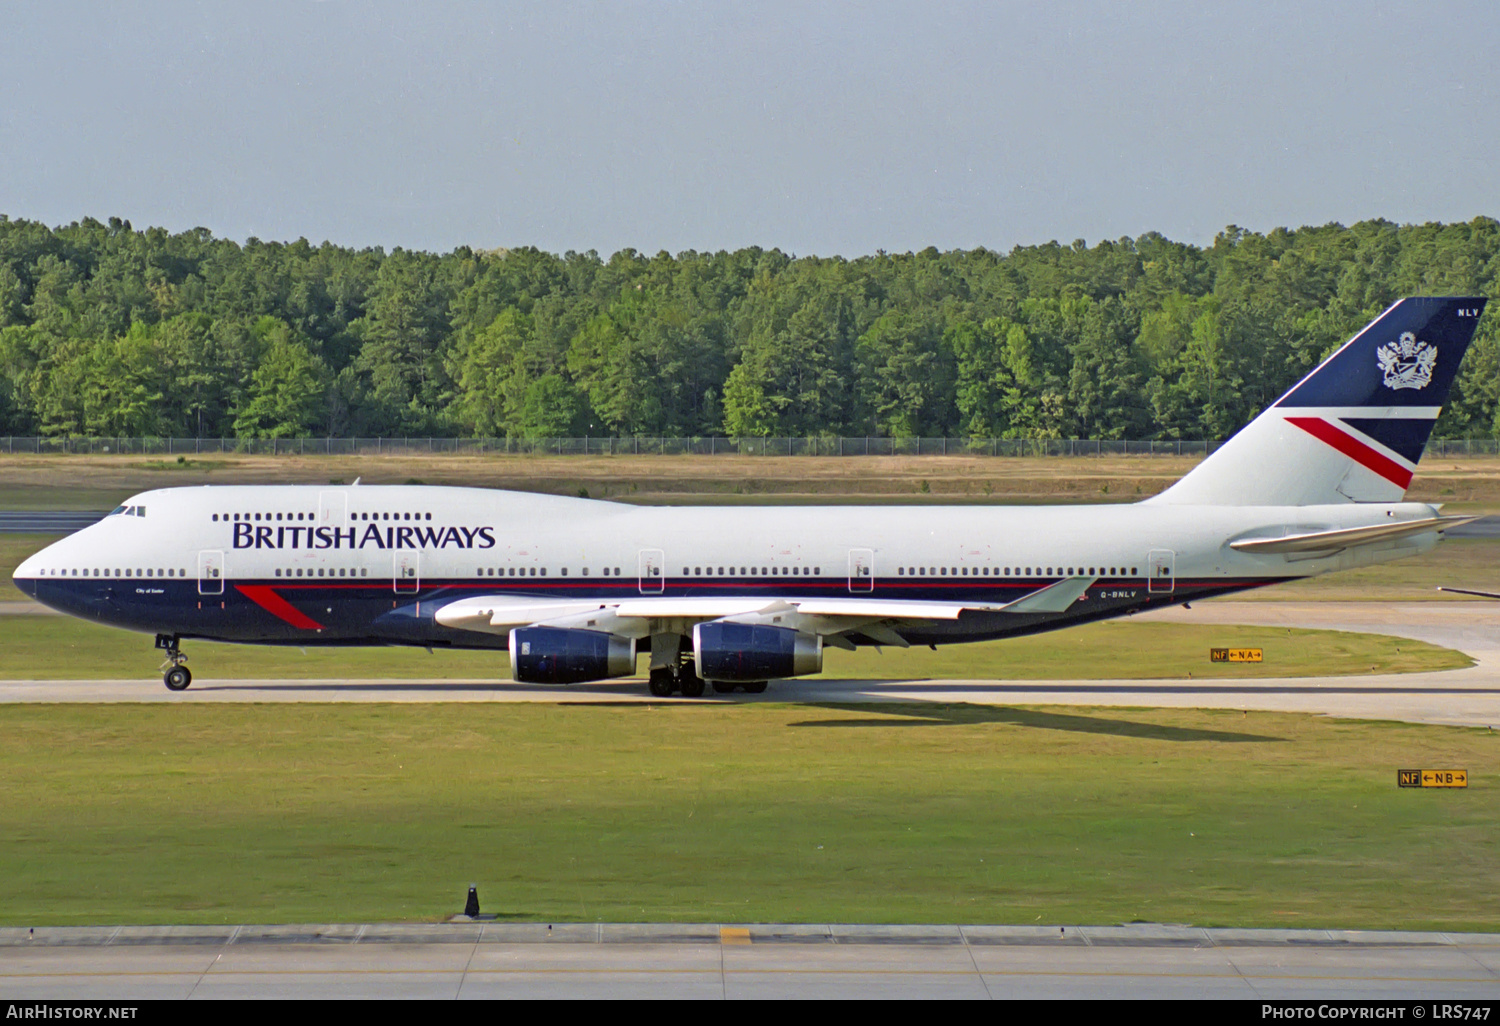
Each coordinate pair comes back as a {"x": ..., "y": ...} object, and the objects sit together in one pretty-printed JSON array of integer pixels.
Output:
[
  {"x": 265, "y": 596},
  {"x": 1353, "y": 448}
]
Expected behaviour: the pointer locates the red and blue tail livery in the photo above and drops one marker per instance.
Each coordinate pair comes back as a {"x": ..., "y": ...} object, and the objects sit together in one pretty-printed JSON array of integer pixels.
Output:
[
  {"x": 1377, "y": 398},
  {"x": 1408, "y": 356},
  {"x": 1354, "y": 429}
]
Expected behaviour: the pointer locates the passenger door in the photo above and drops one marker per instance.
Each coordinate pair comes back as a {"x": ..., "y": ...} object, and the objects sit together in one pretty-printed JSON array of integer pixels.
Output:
[
  {"x": 407, "y": 572},
  {"x": 653, "y": 571},
  {"x": 1159, "y": 567},
  {"x": 211, "y": 572},
  {"x": 861, "y": 571}
]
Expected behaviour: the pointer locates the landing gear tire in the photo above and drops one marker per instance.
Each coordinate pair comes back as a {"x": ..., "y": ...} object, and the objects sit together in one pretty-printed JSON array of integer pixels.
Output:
[
  {"x": 723, "y": 687},
  {"x": 177, "y": 677},
  {"x": 757, "y": 688},
  {"x": 691, "y": 684},
  {"x": 661, "y": 682}
]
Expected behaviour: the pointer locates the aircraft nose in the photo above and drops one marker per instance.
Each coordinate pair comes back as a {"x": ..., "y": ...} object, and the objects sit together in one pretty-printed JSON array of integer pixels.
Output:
[{"x": 24, "y": 576}]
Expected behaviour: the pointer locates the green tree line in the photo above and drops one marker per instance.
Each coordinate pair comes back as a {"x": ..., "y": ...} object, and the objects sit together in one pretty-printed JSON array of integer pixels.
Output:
[{"x": 107, "y": 330}]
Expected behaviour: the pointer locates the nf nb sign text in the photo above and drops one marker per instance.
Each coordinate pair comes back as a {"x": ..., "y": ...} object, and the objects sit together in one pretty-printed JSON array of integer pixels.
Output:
[{"x": 1432, "y": 778}]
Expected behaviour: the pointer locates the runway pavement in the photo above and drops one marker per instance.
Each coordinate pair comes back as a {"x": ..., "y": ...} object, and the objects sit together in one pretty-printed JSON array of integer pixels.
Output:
[
  {"x": 535, "y": 960},
  {"x": 48, "y": 521},
  {"x": 1469, "y": 697}
]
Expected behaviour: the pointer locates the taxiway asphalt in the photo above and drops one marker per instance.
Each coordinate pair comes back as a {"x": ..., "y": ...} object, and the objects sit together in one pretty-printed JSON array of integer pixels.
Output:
[
  {"x": 1467, "y": 697},
  {"x": 710, "y": 961}
]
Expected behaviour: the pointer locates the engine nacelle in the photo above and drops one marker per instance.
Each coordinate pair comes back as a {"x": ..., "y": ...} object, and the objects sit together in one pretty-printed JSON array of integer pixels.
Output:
[
  {"x": 555, "y": 655},
  {"x": 736, "y": 652}
]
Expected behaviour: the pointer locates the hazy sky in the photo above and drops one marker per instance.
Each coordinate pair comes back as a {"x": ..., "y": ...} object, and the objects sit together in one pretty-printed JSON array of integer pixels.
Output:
[{"x": 821, "y": 127}]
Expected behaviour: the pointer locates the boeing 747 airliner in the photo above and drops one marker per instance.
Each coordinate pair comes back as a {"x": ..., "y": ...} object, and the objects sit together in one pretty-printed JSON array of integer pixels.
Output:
[{"x": 576, "y": 588}]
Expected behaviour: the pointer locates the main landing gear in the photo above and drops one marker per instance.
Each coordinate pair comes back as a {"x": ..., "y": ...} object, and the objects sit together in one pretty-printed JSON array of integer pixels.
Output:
[
  {"x": 666, "y": 680},
  {"x": 177, "y": 676},
  {"x": 683, "y": 677}
]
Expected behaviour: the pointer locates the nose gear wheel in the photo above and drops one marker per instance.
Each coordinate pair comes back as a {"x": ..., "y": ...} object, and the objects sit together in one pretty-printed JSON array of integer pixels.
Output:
[{"x": 176, "y": 676}]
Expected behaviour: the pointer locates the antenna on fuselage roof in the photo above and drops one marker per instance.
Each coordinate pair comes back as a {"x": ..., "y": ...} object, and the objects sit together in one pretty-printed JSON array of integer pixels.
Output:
[{"x": 357, "y": 480}]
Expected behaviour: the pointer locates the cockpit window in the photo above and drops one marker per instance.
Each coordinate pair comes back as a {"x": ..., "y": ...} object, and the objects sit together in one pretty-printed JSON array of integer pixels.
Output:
[{"x": 118, "y": 510}]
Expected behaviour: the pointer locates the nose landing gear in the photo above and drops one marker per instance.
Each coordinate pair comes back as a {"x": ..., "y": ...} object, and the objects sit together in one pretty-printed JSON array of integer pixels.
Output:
[{"x": 176, "y": 676}]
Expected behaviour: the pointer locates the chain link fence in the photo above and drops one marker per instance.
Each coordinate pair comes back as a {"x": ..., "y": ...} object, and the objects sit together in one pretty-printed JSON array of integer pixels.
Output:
[{"x": 651, "y": 445}]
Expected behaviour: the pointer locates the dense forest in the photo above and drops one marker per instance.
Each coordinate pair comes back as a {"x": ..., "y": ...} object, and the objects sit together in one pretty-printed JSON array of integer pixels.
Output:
[{"x": 107, "y": 330}]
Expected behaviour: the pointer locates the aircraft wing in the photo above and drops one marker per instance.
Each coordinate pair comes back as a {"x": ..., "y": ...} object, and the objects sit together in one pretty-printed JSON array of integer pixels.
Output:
[
  {"x": 879, "y": 618},
  {"x": 499, "y": 613},
  {"x": 1466, "y": 591}
]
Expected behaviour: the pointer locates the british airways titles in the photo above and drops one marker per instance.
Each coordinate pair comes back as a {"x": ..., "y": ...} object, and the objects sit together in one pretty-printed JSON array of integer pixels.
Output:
[{"x": 262, "y": 536}]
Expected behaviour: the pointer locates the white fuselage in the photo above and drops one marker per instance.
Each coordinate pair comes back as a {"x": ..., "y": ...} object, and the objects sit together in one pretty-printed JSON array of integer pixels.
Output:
[{"x": 263, "y": 562}]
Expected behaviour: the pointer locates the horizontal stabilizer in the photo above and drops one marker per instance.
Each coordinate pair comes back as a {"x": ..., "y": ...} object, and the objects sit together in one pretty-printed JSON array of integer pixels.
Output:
[
  {"x": 1346, "y": 537},
  {"x": 1466, "y": 591}
]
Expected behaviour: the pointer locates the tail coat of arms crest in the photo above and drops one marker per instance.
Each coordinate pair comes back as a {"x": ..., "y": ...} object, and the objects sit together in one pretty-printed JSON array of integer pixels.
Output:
[{"x": 1406, "y": 363}]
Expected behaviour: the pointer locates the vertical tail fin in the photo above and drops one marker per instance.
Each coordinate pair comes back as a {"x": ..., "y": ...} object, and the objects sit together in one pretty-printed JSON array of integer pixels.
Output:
[{"x": 1352, "y": 430}]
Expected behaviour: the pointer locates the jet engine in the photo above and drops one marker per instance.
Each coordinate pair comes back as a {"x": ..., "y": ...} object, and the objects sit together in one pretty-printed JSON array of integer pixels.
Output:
[
  {"x": 729, "y": 651},
  {"x": 556, "y": 655}
]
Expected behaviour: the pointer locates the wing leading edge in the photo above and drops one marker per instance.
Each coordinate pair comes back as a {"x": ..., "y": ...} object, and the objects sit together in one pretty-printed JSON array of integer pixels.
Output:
[{"x": 880, "y": 619}]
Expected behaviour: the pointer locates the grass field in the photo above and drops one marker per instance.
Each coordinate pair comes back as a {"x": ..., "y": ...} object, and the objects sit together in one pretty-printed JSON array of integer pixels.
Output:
[
  {"x": 360, "y": 813},
  {"x": 183, "y": 813},
  {"x": 41, "y": 647},
  {"x": 100, "y": 482}
]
